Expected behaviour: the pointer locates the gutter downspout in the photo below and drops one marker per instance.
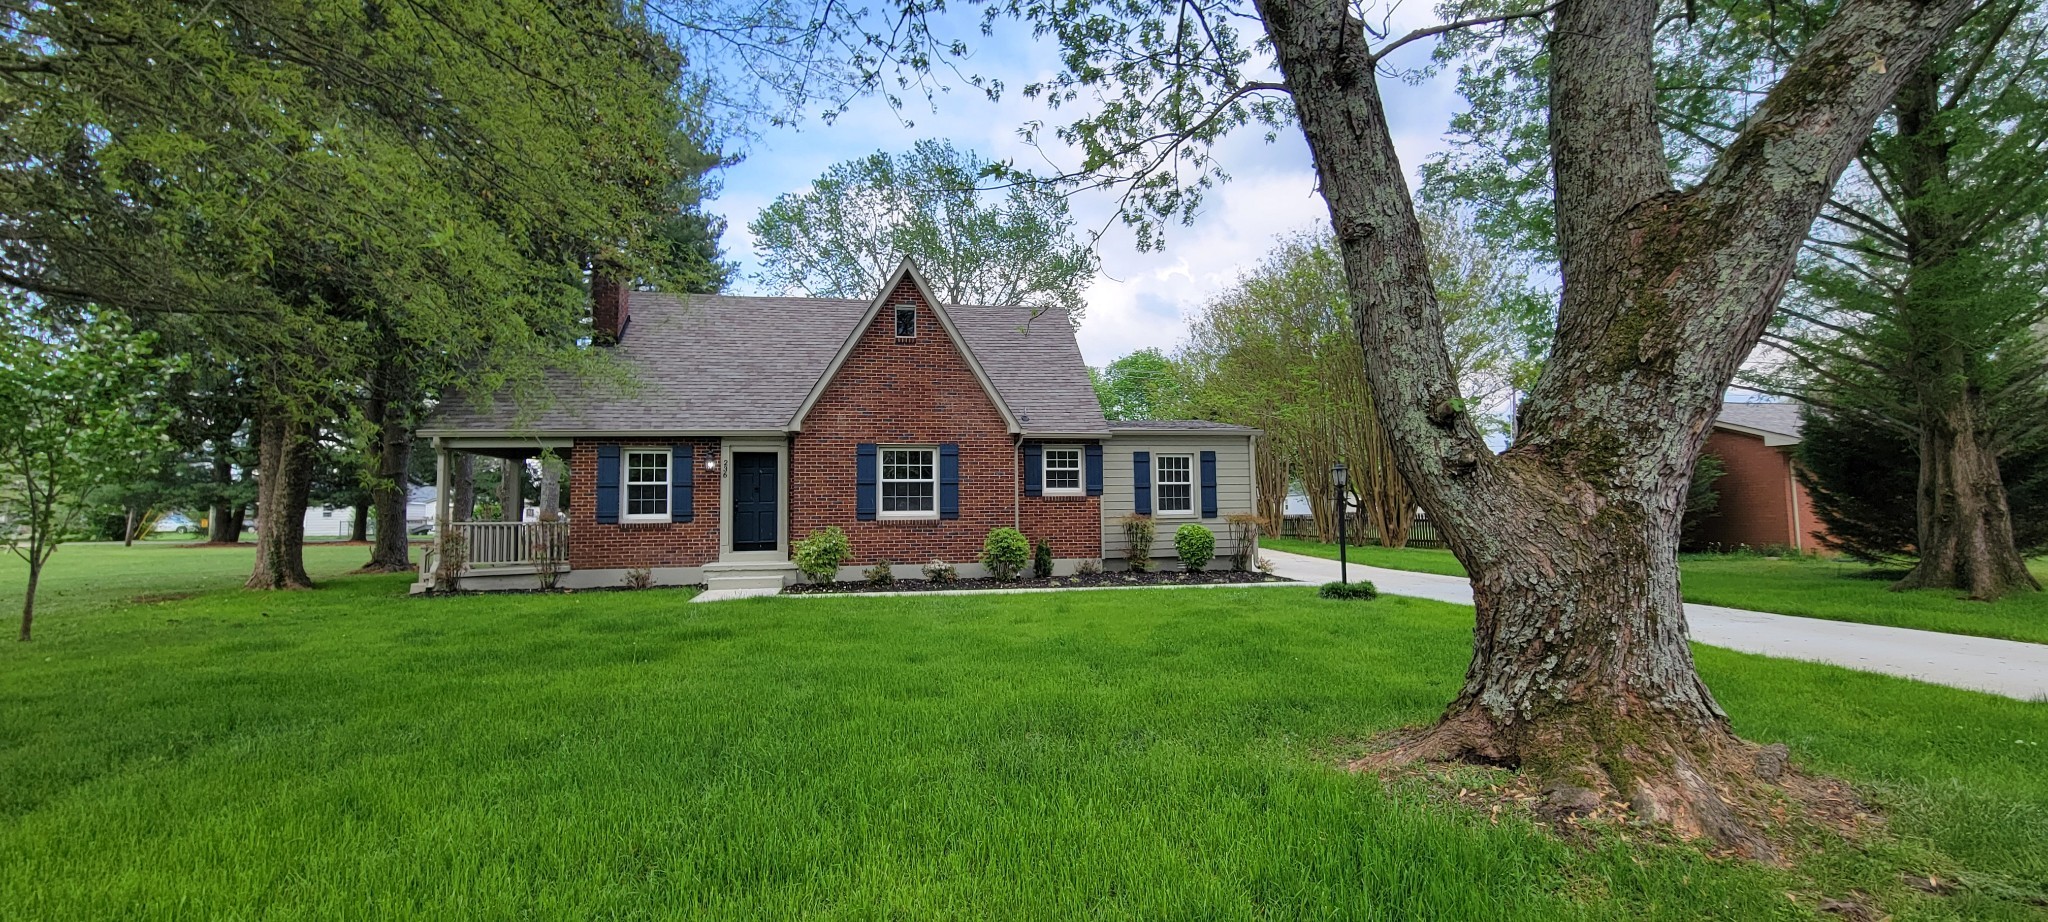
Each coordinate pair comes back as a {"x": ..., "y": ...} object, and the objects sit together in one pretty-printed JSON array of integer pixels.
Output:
[{"x": 1017, "y": 481}]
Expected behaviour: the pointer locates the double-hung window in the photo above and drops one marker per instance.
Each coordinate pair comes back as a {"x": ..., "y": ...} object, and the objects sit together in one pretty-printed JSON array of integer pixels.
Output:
[
  {"x": 1062, "y": 469},
  {"x": 906, "y": 321},
  {"x": 1176, "y": 483},
  {"x": 910, "y": 483},
  {"x": 647, "y": 483}
]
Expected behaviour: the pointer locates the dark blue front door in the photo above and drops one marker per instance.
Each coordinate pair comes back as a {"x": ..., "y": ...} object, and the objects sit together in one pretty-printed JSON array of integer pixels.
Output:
[{"x": 753, "y": 500}]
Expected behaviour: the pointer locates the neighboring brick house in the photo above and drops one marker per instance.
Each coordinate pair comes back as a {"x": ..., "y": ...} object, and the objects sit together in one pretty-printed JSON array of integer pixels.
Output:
[
  {"x": 1762, "y": 504},
  {"x": 915, "y": 427}
]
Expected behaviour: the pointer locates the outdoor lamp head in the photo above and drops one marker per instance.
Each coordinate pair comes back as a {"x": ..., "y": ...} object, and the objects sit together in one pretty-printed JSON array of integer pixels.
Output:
[{"x": 1340, "y": 475}]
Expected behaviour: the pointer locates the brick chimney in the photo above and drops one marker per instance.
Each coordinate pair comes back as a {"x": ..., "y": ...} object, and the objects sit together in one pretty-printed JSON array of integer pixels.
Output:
[{"x": 609, "y": 314}]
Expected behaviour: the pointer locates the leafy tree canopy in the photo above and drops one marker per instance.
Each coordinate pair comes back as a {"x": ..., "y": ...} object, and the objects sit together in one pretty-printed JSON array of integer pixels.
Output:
[{"x": 842, "y": 237}]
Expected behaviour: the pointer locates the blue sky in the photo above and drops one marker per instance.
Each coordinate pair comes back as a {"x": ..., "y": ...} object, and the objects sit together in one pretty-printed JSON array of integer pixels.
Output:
[{"x": 1140, "y": 298}]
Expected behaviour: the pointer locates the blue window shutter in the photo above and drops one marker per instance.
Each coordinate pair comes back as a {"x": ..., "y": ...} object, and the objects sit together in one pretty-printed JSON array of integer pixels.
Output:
[
  {"x": 682, "y": 482},
  {"x": 1141, "y": 481},
  {"x": 864, "y": 483},
  {"x": 1094, "y": 463},
  {"x": 1034, "y": 469},
  {"x": 608, "y": 484},
  {"x": 949, "y": 480},
  {"x": 1208, "y": 484}
]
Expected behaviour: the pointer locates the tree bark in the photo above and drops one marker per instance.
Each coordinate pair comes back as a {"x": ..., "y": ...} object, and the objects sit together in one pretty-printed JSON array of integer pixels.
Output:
[
  {"x": 220, "y": 517},
  {"x": 463, "y": 472},
  {"x": 1965, "y": 535},
  {"x": 1966, "y": 538},
  {"x": 1581, "y": 671},
  {"x": 391, "y": 461},
  {"x": 128, "y": 526},
  {"x": 284, "y": 483},
  {"x": 28, "y": 602},
  {"x": 511, "y": 493},
  {"x": 550, "y": 488},
  {"x": 238, "y": 522},
  {"x": 359, "y": 525}
]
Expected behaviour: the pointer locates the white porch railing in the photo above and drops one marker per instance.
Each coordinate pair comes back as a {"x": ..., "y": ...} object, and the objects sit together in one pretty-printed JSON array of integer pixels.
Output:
[{"x": 513, "y": 544}]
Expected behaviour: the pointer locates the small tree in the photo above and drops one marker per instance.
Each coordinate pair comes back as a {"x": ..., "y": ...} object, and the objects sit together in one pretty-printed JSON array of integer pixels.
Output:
[
  {"x": 73, "y": 420},
  {"x": 1138, "y": 540},
  {"x": 1041, "y": 559}
]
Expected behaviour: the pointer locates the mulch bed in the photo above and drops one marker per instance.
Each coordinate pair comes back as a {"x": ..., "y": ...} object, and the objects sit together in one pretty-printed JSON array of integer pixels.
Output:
[{"x": 1095, "y": 581}]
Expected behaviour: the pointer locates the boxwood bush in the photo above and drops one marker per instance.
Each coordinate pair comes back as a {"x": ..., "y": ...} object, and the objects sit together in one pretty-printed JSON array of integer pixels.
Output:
[
  {"x": 820, "y": 555},
  {"x": 1195, "y": 545},
  {"x": 1361, "y": 591},
  {"x": 1005, "y": 553}
]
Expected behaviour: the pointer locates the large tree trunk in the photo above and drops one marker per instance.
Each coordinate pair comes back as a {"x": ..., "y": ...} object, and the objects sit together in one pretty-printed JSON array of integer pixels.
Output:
[
  {"x": 284, "y": 483},
  {"x": 462, "y": 477},
  {"x": 1580, "y": 670},
  {"x": 238, "y": 522},
  {"x": 1965, "y": 522},
  {"x": 1966, "y": 539},
  {"x": 359, "y": 525},
  {"x": 511, "y": 495},
  {"x": 221, "y": 519},
  {"x": 391, "y": 462},
  {"x": 550, "y": 488}
]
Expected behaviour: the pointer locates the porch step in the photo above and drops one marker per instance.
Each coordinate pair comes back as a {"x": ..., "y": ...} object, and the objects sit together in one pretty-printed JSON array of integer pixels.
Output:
[{"x": 771, "y": 575}]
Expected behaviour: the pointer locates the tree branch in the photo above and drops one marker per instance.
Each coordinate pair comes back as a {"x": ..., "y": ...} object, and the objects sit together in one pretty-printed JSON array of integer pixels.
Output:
[{"x": 1419, "y": 34}]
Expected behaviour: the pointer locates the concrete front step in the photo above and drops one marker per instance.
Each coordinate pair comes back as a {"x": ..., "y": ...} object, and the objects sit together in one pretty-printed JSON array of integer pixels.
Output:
[{"x": 749, "y": 575}]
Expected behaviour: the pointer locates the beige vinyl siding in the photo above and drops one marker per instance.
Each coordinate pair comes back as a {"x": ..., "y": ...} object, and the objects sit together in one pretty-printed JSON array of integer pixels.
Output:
[{"x": 1234, "y": 489}]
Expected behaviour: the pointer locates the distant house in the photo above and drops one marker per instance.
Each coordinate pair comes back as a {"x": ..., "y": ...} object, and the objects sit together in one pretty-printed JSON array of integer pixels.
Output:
[
  {"x": 913, "y": 425},
  {"x": 1762, "y": 502},
  {"x": 329, "y": 521}
]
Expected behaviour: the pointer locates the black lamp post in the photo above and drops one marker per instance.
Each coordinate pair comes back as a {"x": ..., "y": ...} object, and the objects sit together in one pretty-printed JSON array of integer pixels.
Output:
[{"x": 1341, "y": 476}]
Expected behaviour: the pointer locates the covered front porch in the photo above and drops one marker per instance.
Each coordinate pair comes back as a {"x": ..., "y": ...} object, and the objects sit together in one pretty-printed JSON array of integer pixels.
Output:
[{"x": 509, "y": 535}]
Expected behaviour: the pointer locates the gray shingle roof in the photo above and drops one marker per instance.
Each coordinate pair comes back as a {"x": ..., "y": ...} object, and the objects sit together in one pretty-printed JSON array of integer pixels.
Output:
[
  {"x": 1779, "y": 417},
  {"x": 1168, "y": 425},
  {"x": 720, "y": 362}
]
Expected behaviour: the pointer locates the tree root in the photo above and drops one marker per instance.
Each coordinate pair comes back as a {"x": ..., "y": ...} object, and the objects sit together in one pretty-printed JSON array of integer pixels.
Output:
[{"x": 1741, "y": 798}]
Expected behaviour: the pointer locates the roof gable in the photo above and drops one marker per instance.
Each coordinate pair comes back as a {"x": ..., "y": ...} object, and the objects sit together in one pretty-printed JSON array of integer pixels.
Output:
[{"x": 906, "y": 270}]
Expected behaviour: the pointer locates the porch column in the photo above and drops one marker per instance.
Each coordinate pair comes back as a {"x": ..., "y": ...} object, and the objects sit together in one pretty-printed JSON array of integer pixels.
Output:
[{"x": 443, "y": 503}]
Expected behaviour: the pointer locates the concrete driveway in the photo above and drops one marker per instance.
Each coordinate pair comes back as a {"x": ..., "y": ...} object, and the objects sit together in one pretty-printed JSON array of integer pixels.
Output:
[{"x": 2001, "y": 667}]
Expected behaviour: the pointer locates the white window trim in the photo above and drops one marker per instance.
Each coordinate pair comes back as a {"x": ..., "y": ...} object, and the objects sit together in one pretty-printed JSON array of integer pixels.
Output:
[
  {"x": 1159, "y": 494},
  {"x": 882, "y": 480},
  {"x": 1080, "y": 488},
  {"x": 626, "y": 484},
  {"x": 896, "y": 317}
]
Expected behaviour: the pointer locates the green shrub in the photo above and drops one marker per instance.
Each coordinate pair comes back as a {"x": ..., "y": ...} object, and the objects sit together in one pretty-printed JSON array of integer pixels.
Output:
[
  {"x": 1090, "y": 567},
  {"x": 1005, "y": 553},
  {"x": 1195, "y": 545},
  {"x": 939, "y": 571},
  {"x": 820, "y": 555},
  {"x": 880, "y": 574},
  {"x": 638, "y": 578},
  {"x": 1360, "y": 591},
  {"x": 1041, "y": 560},
  {"x": 1138, "y": 538}
]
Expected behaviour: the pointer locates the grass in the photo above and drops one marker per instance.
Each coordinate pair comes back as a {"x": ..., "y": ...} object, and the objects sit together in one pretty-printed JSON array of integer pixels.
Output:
[
  {"x": 353, "y": 753},
  {"x": 1811, "y": 587}
]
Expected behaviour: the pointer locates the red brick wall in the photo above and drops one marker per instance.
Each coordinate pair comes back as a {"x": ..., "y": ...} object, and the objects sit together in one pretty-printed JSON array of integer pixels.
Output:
[
  {"x": 916, "y": 392},
  {"x": 653, "y": 544},
  {"x": 1072, "y": 523},
  {"x": 1759, "y": 497}
]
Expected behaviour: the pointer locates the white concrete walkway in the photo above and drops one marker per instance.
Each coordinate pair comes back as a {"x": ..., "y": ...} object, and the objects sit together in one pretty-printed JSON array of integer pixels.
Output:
[{"x": 2001, "y": 667}]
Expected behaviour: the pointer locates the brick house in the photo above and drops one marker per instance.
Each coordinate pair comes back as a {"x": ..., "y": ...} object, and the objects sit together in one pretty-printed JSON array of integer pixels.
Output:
[
  {"x": 747, "y": 423},
  {"x": 1763, "y": 504}
]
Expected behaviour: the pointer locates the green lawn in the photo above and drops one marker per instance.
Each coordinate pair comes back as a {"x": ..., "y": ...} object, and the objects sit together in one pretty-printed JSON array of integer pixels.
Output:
[
  {"x": 1813, "y": 587},
  {"x": 350, "y": 753}
]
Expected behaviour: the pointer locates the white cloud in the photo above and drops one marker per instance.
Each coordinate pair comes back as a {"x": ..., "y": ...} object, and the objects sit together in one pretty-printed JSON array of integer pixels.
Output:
[{"x": 1141, "y": 299}]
